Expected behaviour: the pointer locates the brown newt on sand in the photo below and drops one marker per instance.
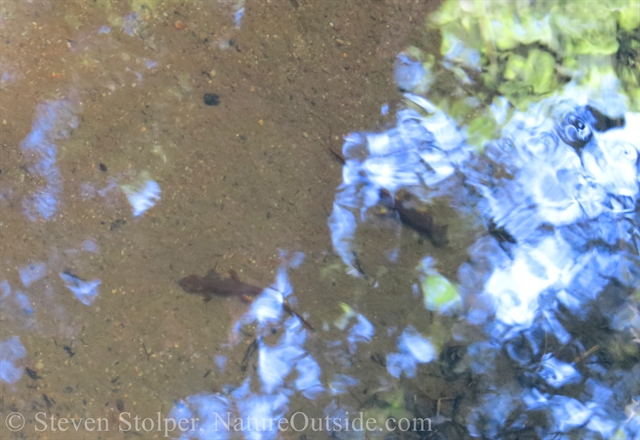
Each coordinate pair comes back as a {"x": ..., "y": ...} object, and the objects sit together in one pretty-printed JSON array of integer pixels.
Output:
[
  {"x": 212, "y": 285},
  {"x": 415, "y": 215}
]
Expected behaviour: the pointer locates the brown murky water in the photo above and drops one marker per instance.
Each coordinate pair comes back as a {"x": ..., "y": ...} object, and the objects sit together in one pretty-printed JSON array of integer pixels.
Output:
[{"x": 240, "y": 181}]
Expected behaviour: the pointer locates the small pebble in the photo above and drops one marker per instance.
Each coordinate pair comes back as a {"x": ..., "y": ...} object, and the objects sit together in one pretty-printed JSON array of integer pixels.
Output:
[{"x": 211, "y": 99}]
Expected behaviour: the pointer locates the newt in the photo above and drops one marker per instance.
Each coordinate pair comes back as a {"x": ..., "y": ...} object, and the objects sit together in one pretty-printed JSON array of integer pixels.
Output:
[
  {"x": 212, "y": 284},
  {"x": 413, "y": 214}
]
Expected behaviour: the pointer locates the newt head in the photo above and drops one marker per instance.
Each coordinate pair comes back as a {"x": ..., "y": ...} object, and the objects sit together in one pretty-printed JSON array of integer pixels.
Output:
[
  {"x": 415, "y": 214},
  {"x": 192, "y": 284}
]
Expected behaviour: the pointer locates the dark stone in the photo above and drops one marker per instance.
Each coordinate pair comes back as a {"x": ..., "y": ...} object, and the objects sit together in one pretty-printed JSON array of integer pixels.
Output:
[{"x": 211, "y": 99}]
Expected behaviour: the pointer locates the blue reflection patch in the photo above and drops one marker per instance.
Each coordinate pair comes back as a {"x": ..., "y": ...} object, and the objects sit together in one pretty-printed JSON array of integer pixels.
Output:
[
  {"x": 416, "y": 345},
  {"x": 12, "y": 354},
  {"x": 568, "y": 413},
  {"x": 259, "y": 416},
  {"x": 398, "y": 363},
  {"x": 266, "y": 309},
  {"x": 275, "y": 364},
  {"x": 490, "y": 415},
  {"x": 308, "y": 380},
  {"x": 414, "y": 349},
  {"x": 482, "y": 355},
  {"x": 24, "y": 303},
  {"x": 221, "y": 362},
  {"x": 407, "y": 72},
  {"x": 90, "y": 246},
  {"x": 213, "y": 414},
  {"x": 54, "y": 121},
  {"x": 142, "y": 196},
  {"x": 558, "y": 373},
  {"x": 361, "y": 331},
  {"x": 32, "y": 272},
  {"x": 341, "y": 384},
  {"x": 5, "y": 289},
  {"x": 85, "y": 291},
  {"x": 237, "y": 17},
  {"x": 9, "y": 303}
]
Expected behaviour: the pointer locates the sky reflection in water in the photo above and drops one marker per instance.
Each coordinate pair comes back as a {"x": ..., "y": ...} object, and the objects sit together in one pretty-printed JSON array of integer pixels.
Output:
[
  {"x": 561, "y": 183},
  {"x": 563, "y": 190}
]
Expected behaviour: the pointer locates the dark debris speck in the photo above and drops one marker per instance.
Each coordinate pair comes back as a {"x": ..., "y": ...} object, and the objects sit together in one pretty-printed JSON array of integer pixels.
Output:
[
  {"x": 116, "y": 224},
  {"x": 68, "y": 349},
  {"x": 33, "y": 374},
  {"x": 211, "y": 99}
]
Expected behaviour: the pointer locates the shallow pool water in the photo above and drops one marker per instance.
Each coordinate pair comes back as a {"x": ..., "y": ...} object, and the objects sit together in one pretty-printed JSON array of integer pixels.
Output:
[{"x": 420, "y": 278}]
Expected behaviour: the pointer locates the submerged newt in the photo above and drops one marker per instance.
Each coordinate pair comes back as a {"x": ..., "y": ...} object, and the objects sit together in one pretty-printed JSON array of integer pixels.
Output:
[
  {"x": 415, "y": 215},
  {"x": 212, "y": 285}
]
